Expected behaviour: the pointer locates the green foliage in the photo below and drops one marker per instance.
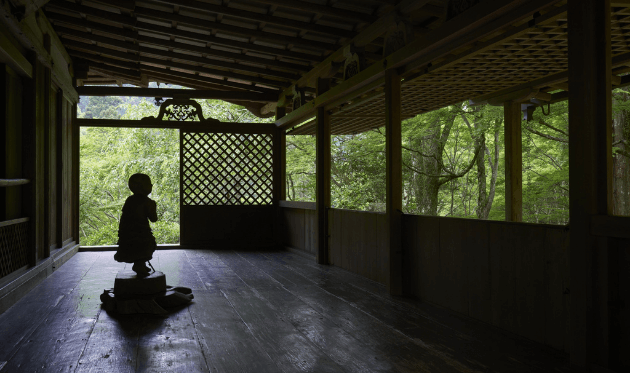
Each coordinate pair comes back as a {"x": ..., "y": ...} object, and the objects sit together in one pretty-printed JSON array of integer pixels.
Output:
[
  {"x": 109, "y": 156},
  {"x": 453, "y": 165}
]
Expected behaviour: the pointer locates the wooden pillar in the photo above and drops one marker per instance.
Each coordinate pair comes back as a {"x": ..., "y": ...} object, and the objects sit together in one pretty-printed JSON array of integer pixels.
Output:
[
  {"x": 3, "y": 139},
  {"x": 279, "y": 172},
  {"x": 281, "y": 152},
  {"x": 48, "y": 158},
  {"x": 322, "y": 162},
  {"x": 61, "y": 167},
  {"x": 590, "y": 178},
  {"x": 513, "y": 162},
  {"x": 394, "y": 180},
  {"x": 75, "y": 156},
  {"x": 33, "y": 156}
]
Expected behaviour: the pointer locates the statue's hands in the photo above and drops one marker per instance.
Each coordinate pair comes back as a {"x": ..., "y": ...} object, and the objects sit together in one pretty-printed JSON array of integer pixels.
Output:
[{"x": 152, "y": 213}]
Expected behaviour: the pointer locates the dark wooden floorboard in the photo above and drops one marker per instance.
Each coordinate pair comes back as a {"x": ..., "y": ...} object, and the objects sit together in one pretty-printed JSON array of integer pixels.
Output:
[{"x": 265, "y": 312}]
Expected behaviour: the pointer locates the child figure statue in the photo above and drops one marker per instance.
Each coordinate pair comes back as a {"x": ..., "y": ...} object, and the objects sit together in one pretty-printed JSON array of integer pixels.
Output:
[{"x": 136, "y": 243}]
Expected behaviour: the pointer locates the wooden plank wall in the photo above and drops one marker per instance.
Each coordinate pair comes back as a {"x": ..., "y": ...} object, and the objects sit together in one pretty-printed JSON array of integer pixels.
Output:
[
  {"x": 300, "y": 231},
  {"x": 12, "y": 144},
  {"x": 359, "y": 243},
  {"x": 227, "y": 226},
  {"x": 511, "y": 275}
]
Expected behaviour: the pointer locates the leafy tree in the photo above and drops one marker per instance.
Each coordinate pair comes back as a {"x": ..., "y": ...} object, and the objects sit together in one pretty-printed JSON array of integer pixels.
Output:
[{"x": 109, "y": 156}]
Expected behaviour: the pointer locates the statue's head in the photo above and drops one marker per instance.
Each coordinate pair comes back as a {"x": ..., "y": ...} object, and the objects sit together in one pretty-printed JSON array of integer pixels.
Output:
[{"x": 140, "y": 184}]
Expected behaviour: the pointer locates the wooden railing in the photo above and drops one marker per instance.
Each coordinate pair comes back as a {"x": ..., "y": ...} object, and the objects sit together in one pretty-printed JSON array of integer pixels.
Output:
[
  {"x": 13, "y": 182},
  {"x": 13, "y": 245}
]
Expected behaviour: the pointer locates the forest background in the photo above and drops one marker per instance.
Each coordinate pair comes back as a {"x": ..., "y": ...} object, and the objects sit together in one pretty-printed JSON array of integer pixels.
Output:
[{"x": 453, "y": 164}]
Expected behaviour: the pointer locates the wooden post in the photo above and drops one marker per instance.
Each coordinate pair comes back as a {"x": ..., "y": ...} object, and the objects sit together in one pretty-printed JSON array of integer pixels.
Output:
[
  {"x": 279, "y": 174},
  {"x": 48, "y": 155},
  {"x": 75, "y": 156},
  {"x": 60, "y": 166},
  {"x": 590, "y": 160},
  {"x": 513, "y": 162},
  {"x": 3, "y": 139},
  {"x": 323, "y": 175},
  {"x": 394, "y": 180}
]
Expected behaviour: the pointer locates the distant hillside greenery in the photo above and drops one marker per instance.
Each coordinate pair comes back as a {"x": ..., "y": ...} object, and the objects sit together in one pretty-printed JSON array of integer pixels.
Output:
[{"x": 109, "y": 156}]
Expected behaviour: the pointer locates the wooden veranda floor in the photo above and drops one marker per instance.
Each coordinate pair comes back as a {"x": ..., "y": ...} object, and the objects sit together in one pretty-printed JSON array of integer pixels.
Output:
[{"x": 252, "y": 312}]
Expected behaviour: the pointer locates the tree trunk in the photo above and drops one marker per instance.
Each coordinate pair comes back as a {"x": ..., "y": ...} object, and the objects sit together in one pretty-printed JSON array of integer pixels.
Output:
[{"x": 621, "y": 159}]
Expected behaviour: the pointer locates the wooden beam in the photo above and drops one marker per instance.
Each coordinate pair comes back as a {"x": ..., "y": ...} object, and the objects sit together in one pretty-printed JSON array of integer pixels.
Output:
[
  {"x": 226, "y": 42},
  {"x": 60, "y": 18},
  {"x": 590, "y": 161},
  {"x": 219, "y": 82},
  {"x": 322, "y": 9},
  {"x": 610, "y": 226},
  {"x": 61, "y": 5},
  {"x": 171, "y": 92},
  {"x": 267, "y": 128},
  {"x": 12, "y": 56},
  {"x": 210, "y": 25},
  {"x": 393, "y": 211},
  {"x": 213, "y": 53},
  {"x": 13, "y": 182},
  {"x": 436, "y": 43},
  {"x": 89, "y": 37},
  {"x": 323, "y": 155},
  {"x": 260, "y": 17},
  {"x": 366, "y": 36},
  {"x": 513, "y": 161}
]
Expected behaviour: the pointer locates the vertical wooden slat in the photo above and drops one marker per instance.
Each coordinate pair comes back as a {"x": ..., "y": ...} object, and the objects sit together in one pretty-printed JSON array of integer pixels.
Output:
[
  {"x": 590, "y": 162},
  {"x": 282, "y": 156},
  {"x": 279, "y": 174},
  {"x": 75, "y": 156},
  {"x": 323, "y": 176},
  {"x": 60, "y": 167},
  {"x": 394, "y": 179},
  {"x": 3, "y": 140},
  {"x": 513, "y": 162}
]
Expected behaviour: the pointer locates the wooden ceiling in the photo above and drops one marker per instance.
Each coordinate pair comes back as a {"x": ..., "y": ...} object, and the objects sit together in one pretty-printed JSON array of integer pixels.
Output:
[
  {"x": 268, "y": 47},
  {"x": 260, "y": 46}
]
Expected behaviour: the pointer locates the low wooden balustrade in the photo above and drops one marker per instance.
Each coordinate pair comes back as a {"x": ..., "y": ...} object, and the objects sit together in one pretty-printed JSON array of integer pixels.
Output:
[
  {"x": 13, "y": 182},
  {"x": 13, "y": 245}
]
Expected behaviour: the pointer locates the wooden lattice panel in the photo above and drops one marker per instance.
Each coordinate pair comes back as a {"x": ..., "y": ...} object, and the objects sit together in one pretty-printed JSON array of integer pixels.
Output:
[
  {"x": 13, "y": 246},
  {"x": 226, "y": 169},
  {"x": 534, "y": 53}
]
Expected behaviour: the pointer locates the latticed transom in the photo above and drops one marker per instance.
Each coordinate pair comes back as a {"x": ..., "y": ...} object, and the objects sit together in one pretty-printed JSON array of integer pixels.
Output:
[
  {"x": 13, "y": 246},
  {"x": 226, "y": 169}
]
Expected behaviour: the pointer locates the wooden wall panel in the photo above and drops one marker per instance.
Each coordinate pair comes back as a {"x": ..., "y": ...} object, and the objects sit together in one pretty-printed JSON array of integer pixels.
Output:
[
  {"x": 228, "y": 227},
  {"x": 51, "y": 175},
  {"x": 557, "y": 287},
  {"x": 12, "y": 144},
  {"x": 510, "y": 275},
  {"x": 310, "y": 233},
  {"x": 335, "y": 229},
  {"x": 623, "y": 304},
  {"x": 293, "y": 235},
  {"x": 66, "y": 133},
  {"x": 428, "y": 246}
]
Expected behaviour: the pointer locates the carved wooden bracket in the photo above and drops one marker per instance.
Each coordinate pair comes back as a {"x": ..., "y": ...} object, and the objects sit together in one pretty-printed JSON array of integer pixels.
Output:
[
  {"x": 399, "y": 35},
  {"x": 299, "y": 98},
  {"x": 457, "y": 7},
  {"x": 178, "y": 109},
  {"x": 354, "y": 63}
]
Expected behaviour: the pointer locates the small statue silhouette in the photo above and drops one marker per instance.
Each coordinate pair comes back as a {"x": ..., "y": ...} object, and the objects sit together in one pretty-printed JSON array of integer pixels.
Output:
[{"x": 136, "y": 243}]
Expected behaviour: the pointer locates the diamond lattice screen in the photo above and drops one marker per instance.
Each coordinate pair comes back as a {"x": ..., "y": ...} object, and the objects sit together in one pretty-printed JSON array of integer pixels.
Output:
[
  {"x": 13, "y": 246},
  {"x": 227, "y": 169}
]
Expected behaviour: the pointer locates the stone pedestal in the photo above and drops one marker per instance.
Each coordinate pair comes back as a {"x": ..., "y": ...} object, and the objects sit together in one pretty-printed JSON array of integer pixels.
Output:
[
  {"x": 129, "y": 284},
  {"x": 150, "y": 294}
]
